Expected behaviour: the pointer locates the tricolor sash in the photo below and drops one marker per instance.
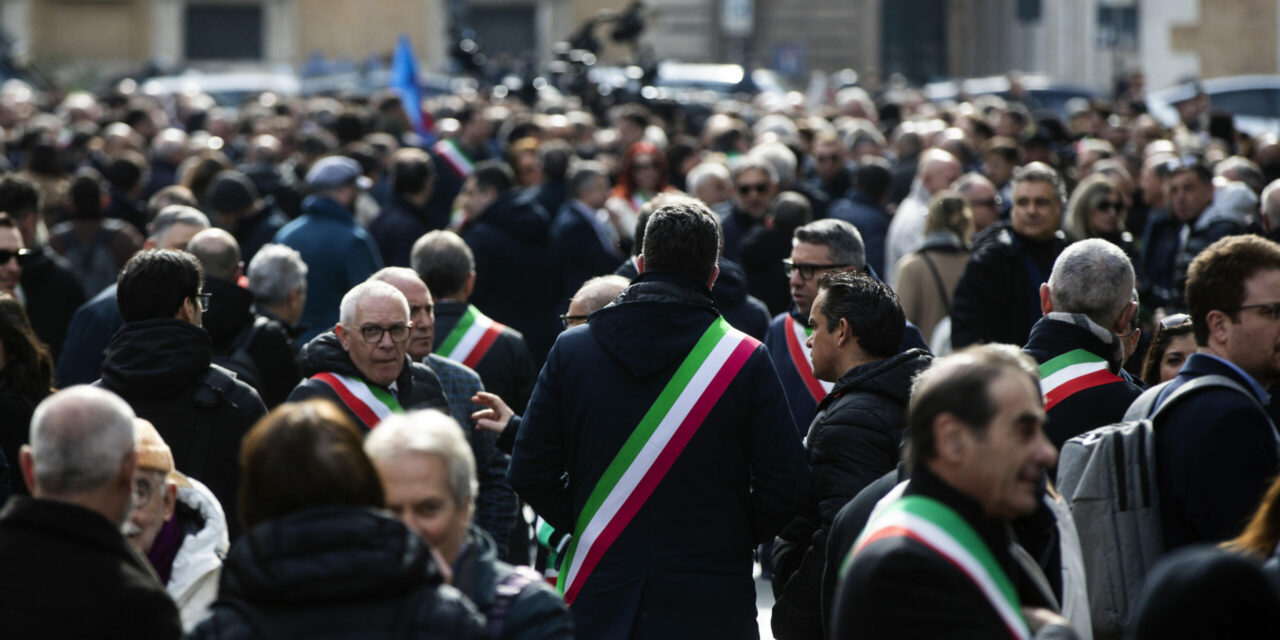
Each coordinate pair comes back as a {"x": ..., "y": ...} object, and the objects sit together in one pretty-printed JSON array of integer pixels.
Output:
[
  {"x": 470, "y": 338},
  {"x": 455, "y": 157},
  {"x": 797, "y": 345},
  {"x": 370, "y": 403},
  {"x": 945, "y": 532},
  {"x": 1072, "y": 372},
  {"x": 555, "y": 544},
  {"x": 651, "y": 450}
]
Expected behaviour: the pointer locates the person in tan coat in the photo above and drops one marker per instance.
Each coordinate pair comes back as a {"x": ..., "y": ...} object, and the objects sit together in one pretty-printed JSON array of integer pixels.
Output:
[{"x": 927, "y": 277}]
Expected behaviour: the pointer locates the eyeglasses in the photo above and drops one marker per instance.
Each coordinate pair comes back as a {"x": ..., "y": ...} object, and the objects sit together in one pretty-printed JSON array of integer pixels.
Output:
[
  {"x": 567, "y": 320},
  {"x": 9, "y": 254},
  {"x": 1175, "y": 321},
  {"x": 204, "y": 300},
  {"x": 1268, "y": 310},
  {"x": 1107, "y": 205},
  {"x": 143, "y": 490},
  {"x": 372, "y": 334},
  {"x": 807, "y": 271},
  {"x": 759, "y": 187}
]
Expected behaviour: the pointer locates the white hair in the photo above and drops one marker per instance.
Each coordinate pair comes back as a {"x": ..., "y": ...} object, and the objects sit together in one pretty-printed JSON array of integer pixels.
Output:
[
  {"x": 1093, "y": 277},
  {"x": 275, "y": 272},
  {"x": 79, "y": 438},
  {"x": 1271, "y": 204},
  {"x": 704, "y": 172},
  {"x": 368, "y": 289},
  {"x": 781, "y": 157},
  {"x": 428, "y": 432}
]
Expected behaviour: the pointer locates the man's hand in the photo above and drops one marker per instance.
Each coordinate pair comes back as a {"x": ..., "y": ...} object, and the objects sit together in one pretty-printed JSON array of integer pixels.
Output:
[
  {"x": 1037, "y": 617},
  {"x": 495, "y": 417}
]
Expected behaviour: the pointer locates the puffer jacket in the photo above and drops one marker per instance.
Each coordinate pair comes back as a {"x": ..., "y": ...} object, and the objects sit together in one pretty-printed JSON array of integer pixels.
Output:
[
  {"x": 1232, "y": 212},
  {"x": 335, "y": 572},
  {"x": 516, "y": 601},
  {"x": 193, "y": 580},
  {"x": 853, "y": 441}
]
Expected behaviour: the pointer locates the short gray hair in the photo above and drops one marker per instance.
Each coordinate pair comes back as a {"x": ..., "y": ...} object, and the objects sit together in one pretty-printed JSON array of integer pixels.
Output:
[
  {"x": 1040, "y": 172},
  {"x": 752, "y": 162},
  {"x": 1076, "y": 284},
  {"x": 432, "y": 433},
  {"x": 175, "y": 214},
  {"x": 79, "y": 438},
  {"x": 843, "y": 240},
  {"x": 705, "y": 171},
  {"x": 274, "y": 272},
  {"x": 781, "y": 157},
  {"x": 363, "y": 291}
]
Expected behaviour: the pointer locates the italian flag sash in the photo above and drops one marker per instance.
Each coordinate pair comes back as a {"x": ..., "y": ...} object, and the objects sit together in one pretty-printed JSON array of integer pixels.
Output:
[
  {"x": 943, "y": 531},
  {"x": 370, "y": 403},
  {"x": 455, "y": 156},
  {"x": 651, "y": 450},
  {"x": 470, "y": 338},
  {"x": 797, "y": 339},
  {"x": 1072, "y": 372}
]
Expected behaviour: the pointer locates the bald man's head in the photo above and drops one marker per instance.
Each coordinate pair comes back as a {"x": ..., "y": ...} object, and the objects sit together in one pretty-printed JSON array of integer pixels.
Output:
[
  {"x": 218, "y": 252},
  {"x": 594, "y": 295}
]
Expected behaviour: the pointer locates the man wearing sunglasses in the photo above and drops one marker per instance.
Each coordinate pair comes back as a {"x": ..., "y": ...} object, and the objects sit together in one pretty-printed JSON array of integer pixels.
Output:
[
  {"x": 363, "y": 365},
  {"x": 160, "y": 362},
  {"x": 12, "y": 256},
  {"x": 755, "y": 183}
]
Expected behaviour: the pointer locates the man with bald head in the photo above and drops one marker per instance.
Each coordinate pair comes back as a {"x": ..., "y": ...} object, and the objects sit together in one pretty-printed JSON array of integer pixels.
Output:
[
  {"x": 496, "y": 504},
  {"x": 1271, "y": 210},
  {"x": 593, "y": 295},
  {"x": 256, "y": 348},
  {"x": 80, "y": 467},
  {"x": 98, "y": 319},
  {"x": 362, "y": 363},
  {"x": 937, "y": 170}
]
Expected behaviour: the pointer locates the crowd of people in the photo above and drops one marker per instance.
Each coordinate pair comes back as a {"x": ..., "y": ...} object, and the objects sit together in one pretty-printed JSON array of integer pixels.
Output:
[{"x": 292, "y": 369}]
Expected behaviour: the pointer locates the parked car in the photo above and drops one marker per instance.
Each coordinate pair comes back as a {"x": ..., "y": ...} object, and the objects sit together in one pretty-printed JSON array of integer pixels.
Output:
[
  {"x": 1043, "y": 94},
  {"x": 1253, "y": 100}
]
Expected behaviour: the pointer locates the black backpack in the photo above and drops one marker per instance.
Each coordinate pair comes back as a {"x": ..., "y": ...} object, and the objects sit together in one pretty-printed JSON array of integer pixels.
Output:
[{"x": 239, "y": 361}]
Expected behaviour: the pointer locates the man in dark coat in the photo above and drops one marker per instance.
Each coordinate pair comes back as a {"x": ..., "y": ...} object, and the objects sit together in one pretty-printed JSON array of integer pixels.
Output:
[
  {"x": 423, "y": 458},
  {"x": 864, "y": 207},
  {"x": 363, "y": 363},
  {"x": 235, "y": 205},
  {"x": 581, "y": 236},
  {"x": 1206, "y": 214},
  {"x": 497, "y": 352},
  {"x": 258, "y": 349},
  {"x": 1216, "y": 449},
  {"x": 404, "y": 219},
  {"x": 820, "y": 247},
  {"x": 160, "y": 362},
  {"x": 855, "y": 438},
  {"x": 997, "y": 298},
  {"x": 678, "y": 556},
  {"x": 49, "y": 285},
  {"x": 755, "y": 184},
  {"x": 68, "y": 571},
  {"x": 978, "y": 454},
  {"x": 506, "y": 227},
  {"x": 1089, "y": 317}
]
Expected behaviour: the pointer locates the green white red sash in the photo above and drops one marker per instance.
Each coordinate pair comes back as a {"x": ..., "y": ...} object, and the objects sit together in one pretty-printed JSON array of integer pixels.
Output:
[
  {"x": 945, "y": 532},
  {"x": 370, "y": 403},
  {"x": 1070, "y": 373},
  {"x": 651, "y": 450},
  {"x": 470, "y": 338},
  {"x": 455, "y": 157},
  {"x": 797, "y": 345}
]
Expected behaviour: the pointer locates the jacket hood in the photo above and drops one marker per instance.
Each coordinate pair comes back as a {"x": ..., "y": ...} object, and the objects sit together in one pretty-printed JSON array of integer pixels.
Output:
[
  {"x": 202, "y": 550},
  {"x": 156, "y": 358},
  {"x": 327, "y": 554},
  {"x": 230, "y": 310},
  {"x": 1058, "y": 333},
  {"x": 730, "y": 288},
  {"x": 890, "y": 377},
  {"x": 518, "y": 213},
  {"x": 665, "y": 312},
  {"x": 1232, "y": 202}
]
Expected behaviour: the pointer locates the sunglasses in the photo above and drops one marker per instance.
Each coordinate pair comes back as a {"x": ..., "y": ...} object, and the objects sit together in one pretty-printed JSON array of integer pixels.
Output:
[
  {"x": 1107, "y": 205},
  {"x": 1175, "y": 321},
  {"x": 746, "y": 189},
  {"x": 9, "y": 254}
]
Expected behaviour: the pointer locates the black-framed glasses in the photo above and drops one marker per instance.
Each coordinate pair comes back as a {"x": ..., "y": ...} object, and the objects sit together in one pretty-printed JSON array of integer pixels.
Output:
[
  {"x": 204, "y": 300},
  {"x": 808, "y": 270},
  {"x": 747, "y": 188},
  {"x": 1269, "y": 310},
  {"x": 567, "y": 320},
  {"x": 144, "y": 488},
  {"x": 372, "y": 333},
  {"x": 9, "y": 254},
  {"x": 1175, "y": 321}
]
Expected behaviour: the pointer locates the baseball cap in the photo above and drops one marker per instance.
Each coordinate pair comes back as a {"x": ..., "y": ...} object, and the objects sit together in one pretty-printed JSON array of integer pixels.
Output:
[{"x": 336, "y": 171}]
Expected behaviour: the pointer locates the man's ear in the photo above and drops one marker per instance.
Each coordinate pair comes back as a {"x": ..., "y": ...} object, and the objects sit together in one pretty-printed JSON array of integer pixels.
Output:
[
  {"x": 1125, "y": 320},
  {"x": 170, "y": 499},
  {"x": 186, "y": 311},
  {"x": 1046, "y": 301},
  {"x": 951, "y": 438},
  {"x": 1217, "y": 322},
  {"x": 470, "y": 286},
  {"x": 845, "y": 333},
  {"x": 344, "y": 337},
  {"x": 640, "y": 263},
  {"x": 715, "y": 273},
  {"x": 27, "y": 462}
]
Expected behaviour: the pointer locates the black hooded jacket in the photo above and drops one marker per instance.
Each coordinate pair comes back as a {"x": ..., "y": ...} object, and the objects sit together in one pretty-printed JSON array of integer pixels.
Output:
[
  {"x": 417, "y": 387},
  {"x": 745, "y": 312},
  {"x": 229, "y": 321},
  {"x": 335, "y": 572},
  {"x": 162, "y": 368},
  {"x": 853, "y": 441}
]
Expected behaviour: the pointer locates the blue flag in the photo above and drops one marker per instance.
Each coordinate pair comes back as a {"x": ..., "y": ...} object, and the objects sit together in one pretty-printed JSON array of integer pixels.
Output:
[{"x": 404, "y": 81}]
